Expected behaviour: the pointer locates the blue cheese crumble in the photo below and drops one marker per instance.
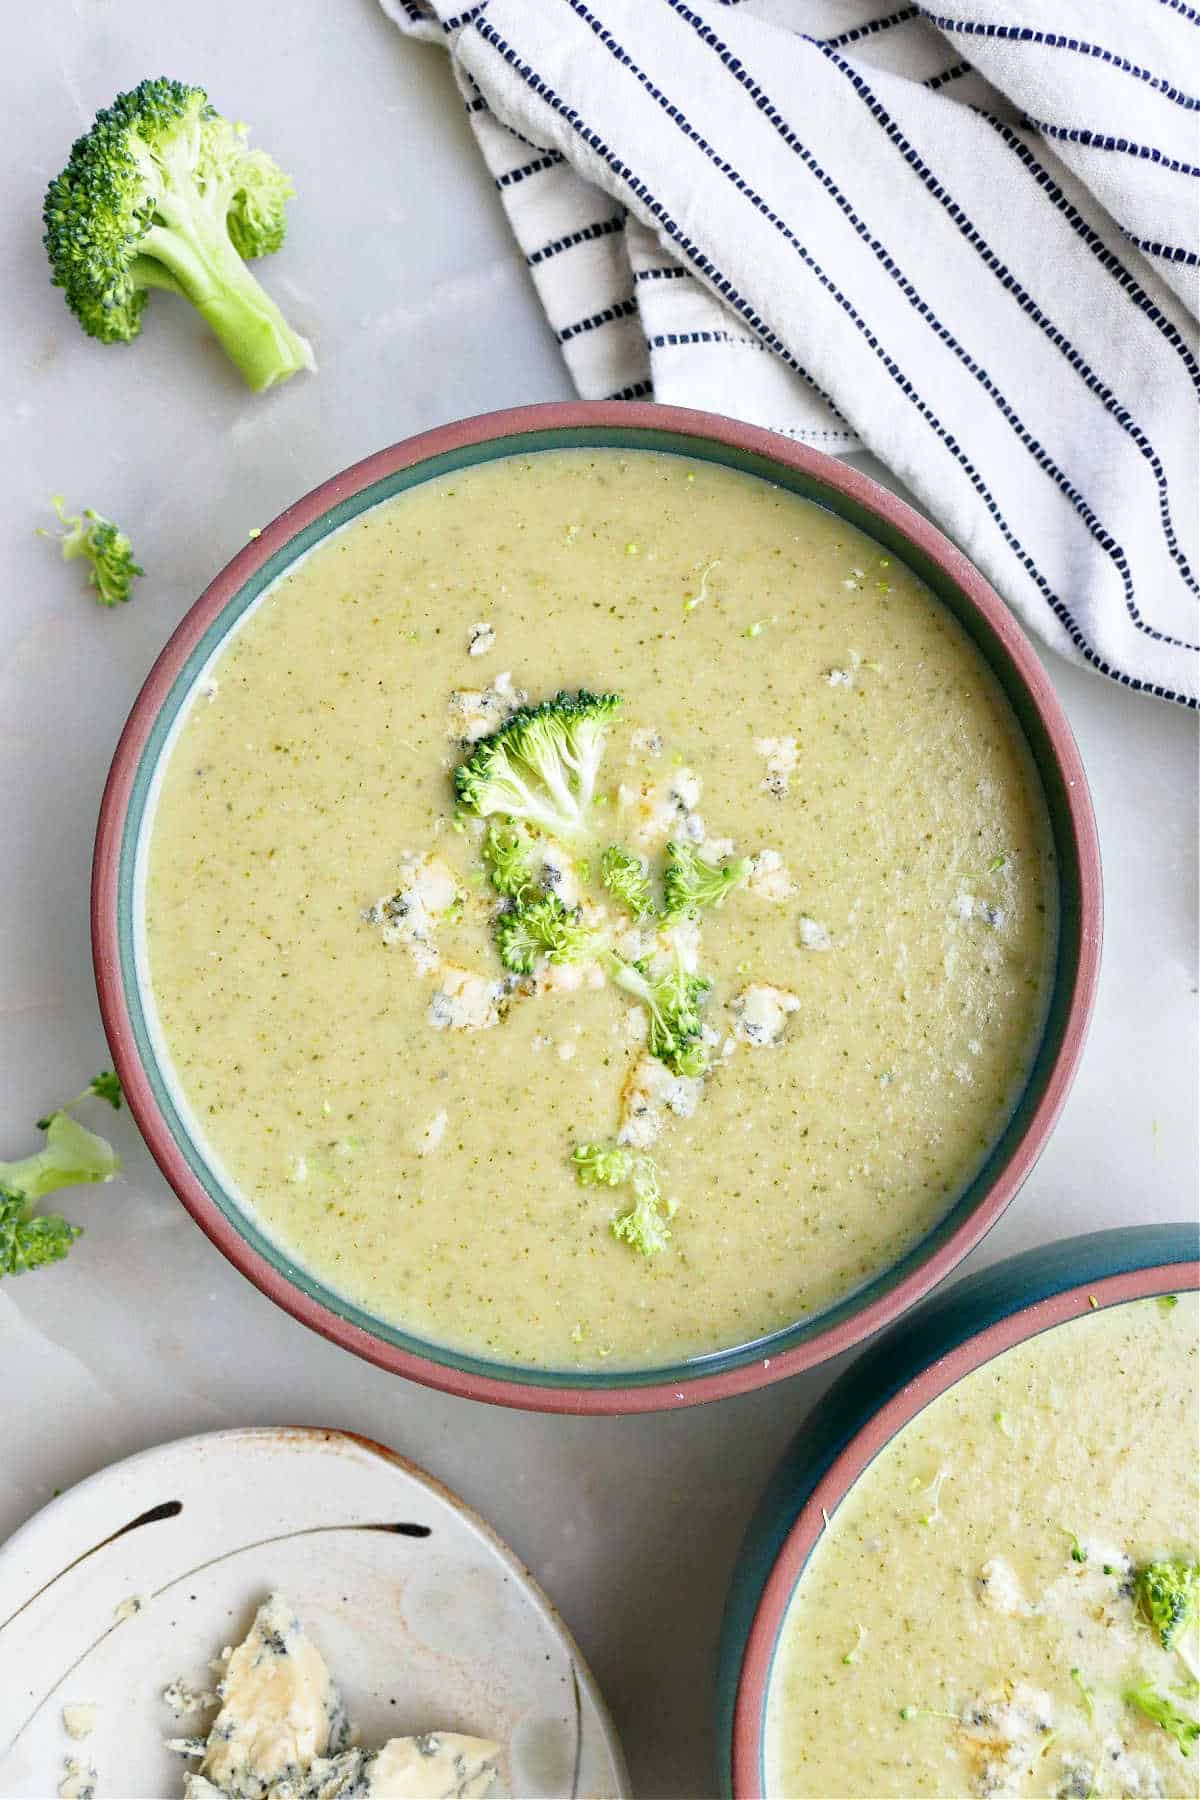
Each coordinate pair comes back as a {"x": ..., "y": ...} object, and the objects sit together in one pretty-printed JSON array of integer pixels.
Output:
[{"x": 282, "y": 1734}]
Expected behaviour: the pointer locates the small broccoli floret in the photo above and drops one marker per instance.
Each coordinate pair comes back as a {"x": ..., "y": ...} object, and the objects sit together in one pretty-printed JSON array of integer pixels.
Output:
[
  {"x": 70, "y": 1155},
  {"x": 672, "y": 1000},
  {"x": 1168, "y": 1595},
  {"x": 1156, "y": 1706},
  {"x": 690, "y": 882},
  {"x": 105, "y": 1086},
  {"x": 541, "y": 766},
  {"x": 110, "y": 553},
  {"x": 163, "y": 192},
  {"x": 543, "y": 928},
  {"x": 29, "y": 1243},
  {"x": 645, "y": 1227},
  {"x": 1078, "y": 1549},
  {"x": 625, "y": 877},
  {"x": 509, "y": 863}
]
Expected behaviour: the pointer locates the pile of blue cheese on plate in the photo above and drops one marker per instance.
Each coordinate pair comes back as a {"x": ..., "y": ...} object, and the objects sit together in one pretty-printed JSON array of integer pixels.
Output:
[{"x": 282, "y": 1733}]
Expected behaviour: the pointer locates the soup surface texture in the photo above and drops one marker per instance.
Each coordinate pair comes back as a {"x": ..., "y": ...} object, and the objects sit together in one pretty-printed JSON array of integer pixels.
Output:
[
  {"x": 971, "y": 1623},
  {"x": 398, "y": 1115}
]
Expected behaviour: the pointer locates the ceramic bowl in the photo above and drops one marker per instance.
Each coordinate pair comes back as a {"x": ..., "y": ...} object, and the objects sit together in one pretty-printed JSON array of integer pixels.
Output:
[
  {"x": 945, "y": 1339},
  {"x": 128, "y": 798}
]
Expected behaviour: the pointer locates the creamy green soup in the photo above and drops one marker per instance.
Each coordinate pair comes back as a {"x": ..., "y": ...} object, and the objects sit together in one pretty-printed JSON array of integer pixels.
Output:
[
  {"x": 971, "y": 1622},
  {"x": 398, "y": 1112}
]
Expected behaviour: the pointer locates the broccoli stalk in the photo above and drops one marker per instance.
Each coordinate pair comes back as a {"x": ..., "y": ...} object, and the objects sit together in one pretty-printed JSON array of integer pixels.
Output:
[
  {"x": 690, "y": 882},
  {"x": 1146, "y": 1697},
  {"x": 70, "y": 1155},
  {"x": 645, "y": 1227},
  {"x": 106, "y": 547},
  {"x": 163, "y": 192},
  {"x": 540, "y": 768},
  {"x": 672, "y": 999},
  {"x": 543, "y": 928},
  {"x": 625, "y": 877}
]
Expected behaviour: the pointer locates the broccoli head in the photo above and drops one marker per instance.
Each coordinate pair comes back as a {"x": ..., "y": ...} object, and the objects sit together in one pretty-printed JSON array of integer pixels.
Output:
[
  {"x": 1168, "y": 1595},
  {"x": 645, "y": 1227},
  {"x": 110, "y": 553},
  {"x": 540, "y": 768},
  {"x": 163, "y": 192},
  {"x": 672, "y": 997},
  {"x": 543, "y": 928},
  {"x": 625, "y": 877},
  {"x": 506, "y": 854},
  {"x": 690, "y": 882},
  {"x": 70, "y": 1155}
]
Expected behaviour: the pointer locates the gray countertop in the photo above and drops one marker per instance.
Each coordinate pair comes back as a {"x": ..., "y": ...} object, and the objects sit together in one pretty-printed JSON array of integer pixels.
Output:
[{"x": 400, "y": 268}]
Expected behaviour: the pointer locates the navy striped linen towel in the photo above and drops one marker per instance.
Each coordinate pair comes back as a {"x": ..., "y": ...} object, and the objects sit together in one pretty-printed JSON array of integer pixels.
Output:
[{"x": 966, "y": 239}]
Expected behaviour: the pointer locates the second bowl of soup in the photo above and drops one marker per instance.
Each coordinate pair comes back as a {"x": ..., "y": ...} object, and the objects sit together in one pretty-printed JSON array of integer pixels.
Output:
[{"x": 597, "y": 908}]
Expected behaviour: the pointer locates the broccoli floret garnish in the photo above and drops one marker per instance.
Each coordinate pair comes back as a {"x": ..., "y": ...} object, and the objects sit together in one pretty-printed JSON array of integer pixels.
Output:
[
  {"x": 625, "y": 877},
  {"x": 109, "y": 552},
  {"x": 1168, "y": 1596},
  {"x": 510, "y": 866},
  {"x": 672, "y": 1000},
  {"x": 541, "y": 766},
  {"x": 163, "y": 192},
  {"x": 645, "y": 1227},
  {"x": 543, "y": 928},
  {"x": 70, "y": 1155},
  {"x": 690, "y": 882},
  {"x": 1146, "y": 1697}
]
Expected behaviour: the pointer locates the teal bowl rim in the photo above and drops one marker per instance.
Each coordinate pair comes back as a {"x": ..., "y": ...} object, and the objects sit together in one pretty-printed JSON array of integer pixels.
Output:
[
  {"x": 527, "y": 430},
  {"x": 951, "y": 1334}
]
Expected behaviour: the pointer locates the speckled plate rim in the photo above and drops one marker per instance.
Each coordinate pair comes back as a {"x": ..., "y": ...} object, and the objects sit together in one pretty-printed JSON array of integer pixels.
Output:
[
  {"x": 317, "y": 1438},
  {"x": 959, "y": 1331},
  {"x": 849, "y": 495}
]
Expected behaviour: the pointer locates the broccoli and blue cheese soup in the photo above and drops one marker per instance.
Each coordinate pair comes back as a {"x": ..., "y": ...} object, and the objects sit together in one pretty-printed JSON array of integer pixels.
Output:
[
  {"x": 599, "y": 910},
  {"x": 1007, "y": 1600}
]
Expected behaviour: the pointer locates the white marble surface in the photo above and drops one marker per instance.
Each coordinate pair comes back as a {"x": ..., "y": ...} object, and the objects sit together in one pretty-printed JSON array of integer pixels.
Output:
[{"x": 421, "y": 311}]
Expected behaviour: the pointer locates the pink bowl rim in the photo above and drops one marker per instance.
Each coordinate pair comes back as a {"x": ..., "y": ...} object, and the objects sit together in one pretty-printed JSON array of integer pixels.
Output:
[
  {"x": 750, "y": 1704},
  {"x": 494, "y": 427}
]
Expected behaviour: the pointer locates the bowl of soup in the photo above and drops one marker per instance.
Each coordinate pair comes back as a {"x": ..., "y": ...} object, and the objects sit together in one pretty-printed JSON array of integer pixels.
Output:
[
  {"x": 977, "y": 1570},
  {"x": 596, "y": 908}
]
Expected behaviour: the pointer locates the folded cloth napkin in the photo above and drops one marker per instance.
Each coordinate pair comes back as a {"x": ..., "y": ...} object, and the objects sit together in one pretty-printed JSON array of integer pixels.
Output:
[{"x": 967, "y": 240}]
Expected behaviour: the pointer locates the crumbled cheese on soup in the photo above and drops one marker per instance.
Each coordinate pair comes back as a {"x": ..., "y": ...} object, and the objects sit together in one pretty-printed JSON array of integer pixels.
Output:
[
  {"x": 760, "y": 1013},
  {"x": 483, "y": 636},
  {"x": 426, "y": 891},
  {"x": 781, "y": 756},
  {"x": 464, "y": 1000},
  {"x": 813, "y": 935},
  {"x": 769, "y": 877},
  {"x": 645, "y": 742},
  {"x": 651, "y": 1091},
  {"x": 79, "y": 1719},
  {"x": 558, "y": 875},
  {"x": 661, "y": 808},
  {"x": 997, "y": 1586},
  {"x": 476, "y": 712}
]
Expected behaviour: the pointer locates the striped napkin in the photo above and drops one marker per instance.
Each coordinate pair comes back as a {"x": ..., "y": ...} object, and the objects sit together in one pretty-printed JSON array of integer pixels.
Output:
[{"x": 965, "y": 240}]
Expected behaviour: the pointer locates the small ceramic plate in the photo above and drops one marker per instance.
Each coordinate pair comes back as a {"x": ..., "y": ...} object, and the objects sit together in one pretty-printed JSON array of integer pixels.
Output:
[{"x": 425, "y": 1618}]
